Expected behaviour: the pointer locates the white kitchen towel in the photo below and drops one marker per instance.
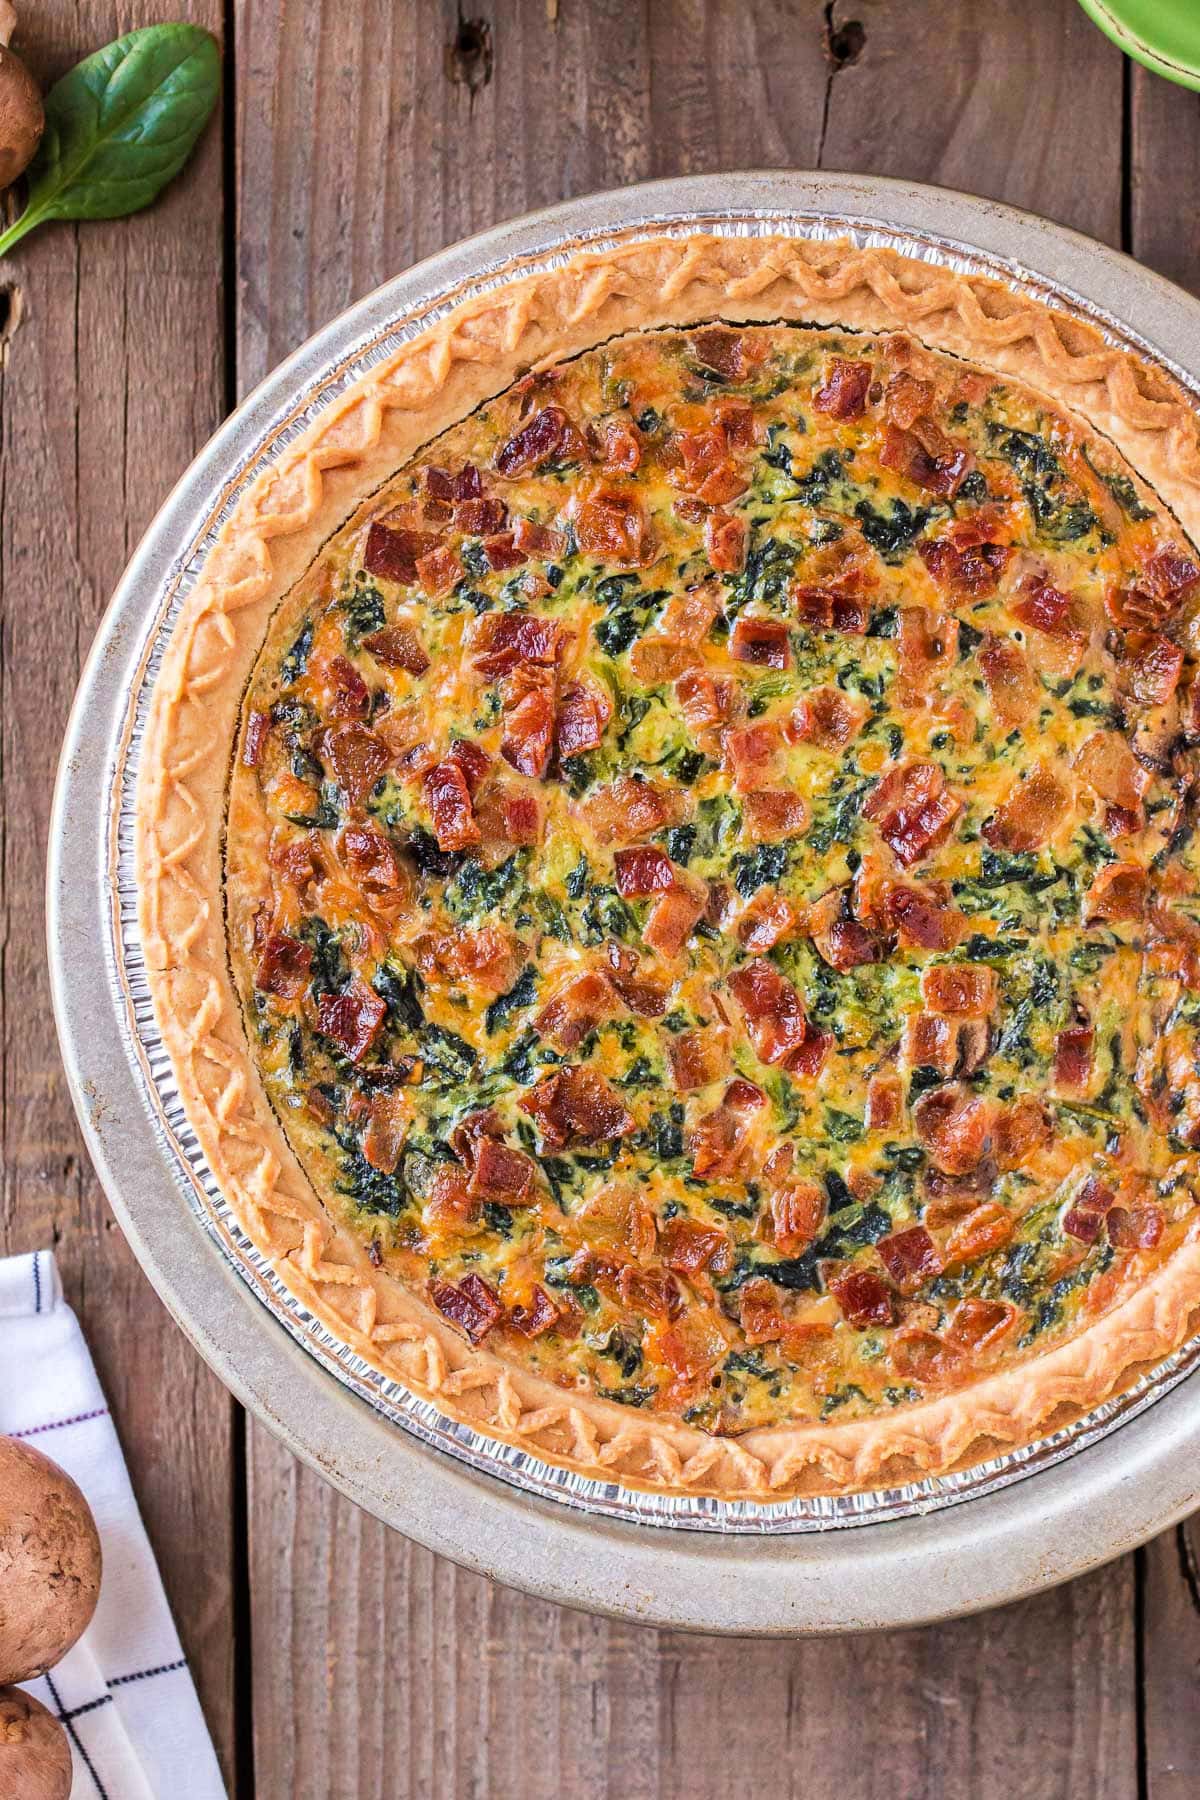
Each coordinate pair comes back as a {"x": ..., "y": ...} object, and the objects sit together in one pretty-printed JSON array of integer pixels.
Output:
[{"x": 124, "y": 1693}]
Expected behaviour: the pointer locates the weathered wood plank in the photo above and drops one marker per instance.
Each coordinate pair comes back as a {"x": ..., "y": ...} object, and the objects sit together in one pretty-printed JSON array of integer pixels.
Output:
[
  {"x": 379, "y": 1670},
  {"x": 112, "y": 378}
]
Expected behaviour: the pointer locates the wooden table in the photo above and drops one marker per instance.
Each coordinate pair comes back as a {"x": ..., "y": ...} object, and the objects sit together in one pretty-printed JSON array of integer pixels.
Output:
[{"x": 335, "y": 1659}]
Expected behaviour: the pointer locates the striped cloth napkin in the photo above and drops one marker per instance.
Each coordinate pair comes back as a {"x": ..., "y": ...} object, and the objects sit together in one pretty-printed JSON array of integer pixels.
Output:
[{"x": 124, "y": 1692}]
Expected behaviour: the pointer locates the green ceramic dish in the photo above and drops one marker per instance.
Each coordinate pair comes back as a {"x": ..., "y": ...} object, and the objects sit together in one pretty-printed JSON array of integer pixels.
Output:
[{"x": 1163, "y": 35}]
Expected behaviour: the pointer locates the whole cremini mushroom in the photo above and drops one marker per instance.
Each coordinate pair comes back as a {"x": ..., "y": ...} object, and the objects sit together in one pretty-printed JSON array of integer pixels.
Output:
[
  {"x": 49, "y": 1563},
  {"x": 35, "y": 1757},
  {"x": 21, "y": 117}
]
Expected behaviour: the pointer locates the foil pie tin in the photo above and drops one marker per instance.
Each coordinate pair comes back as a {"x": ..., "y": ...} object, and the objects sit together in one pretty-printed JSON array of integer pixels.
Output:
[{"x": 949, "y": 1544}]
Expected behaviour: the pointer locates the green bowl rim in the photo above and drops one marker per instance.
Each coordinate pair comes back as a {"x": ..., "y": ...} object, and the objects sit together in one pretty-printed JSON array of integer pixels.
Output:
[{"x": 1134, "y": 44}]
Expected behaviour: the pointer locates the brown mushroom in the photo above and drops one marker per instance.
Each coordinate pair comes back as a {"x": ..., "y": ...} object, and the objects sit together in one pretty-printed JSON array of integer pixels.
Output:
[
  {"x": 21, "y": 117},
  {"x": 49, "y": 1562},
  {"x": 35, "y": 1756}
]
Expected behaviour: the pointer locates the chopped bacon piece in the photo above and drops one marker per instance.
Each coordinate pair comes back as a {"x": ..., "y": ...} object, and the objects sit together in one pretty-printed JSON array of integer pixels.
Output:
[
  {"x": 500, "y": 1173},
  {"x": 1011, "y": 684},
  {"x": 696, "y": 1058},
  {"x": 673, "y": 917},
  {"x": 913, "y": 808},
  {"x": 471, "y": 1305},
  {"x": 358, "y": 756},
  {"x": 385, "y": 1132},
  {"x": 520, "y": 816},
  {"x": 258, "y": 726},
  {"x": 705, "y": 467},
  {"x": 543, "y": 438},
  {"x": 1033, "y": 811},
  {"x": 716, "y": 1142},
  {"x": 930, "y": 1042},
  {"x": 540, "y": 1315},
  {"x": 351, "y": 696},
  {"x": 1108, "y": 765},
  {"x": 924, "y": 1358},
  {"x": 1168, "y": 578},
  {"x": 654, "y": 1293},
  {"x": 528, "y": 738},
  {"x": 584, "y": 711},
  {"x": 775, "y": 1019},
  {"x": 797, "y": 1215},
  {"x": 690, "y": 1348},
  {"x": 759, "y": 1312},
  {"x": 1045, "y": 609},
  {"x": 610, "y": 524},
  {"x": 655, "y": 660},
  {"x": 1149, "y": 668},
  {"x": 503, "y": 551},
  {"x": 631, "y": 807},
  {"x": 448, "y": 798},
  {"x": 988, "y": 1228},
  {"x": 843, "y": 393},
  {"x": 760, "y": 641},
  {"x": 643, "y": 871},
  {"x": 744, "y": 1096},
  {"x": 446, "y": 1204},
  {"x": 439, "y": 569},
  {"x": 831, "y": 609},
  {"x": 490, "y": 957},
  {"x": 687, "y": 1247},
  {"x": 827, "y": 718},
  {"x": 749, "y": 752},
  {"x": 398, "y": 646},
  {"x": 284, "y": 967},
  {"x": 481, "y": 517},
  {"x": 885, "y": 1103},
  {"x": 1084, "y": 1218},
  {"x": 919, "y": 921},
  {"x": 393, "y": 554},
  {"x": 774, "y": 813},
  {"x": 1119, "y": 892},
  {"x": 910, "y": 1258},
  {"x": 1021, "y": 1128},
  {"x": 907, "y": 399},
  {"x": 966, "y": 990},
  {"x": 352, "y": 1019},
  {"x": 704, "y": 699},
  {"x": 926, "y": 650},
  {"x": 537, "y": 540},
  {"x": 688, "y": 618},
  {"x": 977, "y": 1324},
  {"x": 864, "y": 1299},
  {"x": 472, "y": 760},
  {"x": 464, "y": 1139},
  {"x": 839, "y": 938},
  {"x": 616, "y": 445},
  {"x": 1073, "y": 1057},
  {"x": 716, "y": 347},
  {"x": 371, "y": 859},
  {"x": 501, "y": 642},
  {"x": 956, "y": 1128},
  {"x": 640, "y": 993},
  {"x": 926, "y": 457},
  {"x": 725, "y": 539},
  {"x": 1135, "y": 1227},
  {"x": 766, "y": 921},
  {"x": 973, "y": 569},
  {"x": 574, "y": 1012},
  {"x": 576, "y": 1104}
]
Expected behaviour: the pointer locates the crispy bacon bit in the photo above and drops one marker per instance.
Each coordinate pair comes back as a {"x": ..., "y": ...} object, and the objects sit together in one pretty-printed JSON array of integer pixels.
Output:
[
  {"x": 446, "y": 1204},
  {"x": 1033, "y": 811},
  {"x": 502, "y": 642},
  {"x": 673, "y": 917},
  {"x": 503, "y": 551},
  {"x": 352, "y": 1019},
  {"x": 537, "y": 540},
  {"x": 385, "y": 1131},
  {"x": 481, "y": 517},
  {"x": 832, "y": 609},
  {"x": 439, "y": 569},
  {"x": 766, "y": 921},
  {"x": 1149, "y": 668},
  {"x": 864, "y": 1299},
  {"x": 574, "y": 1012},
  {"x": 696, "y": 1058},
  {"x": 641, "y": 995},
  {"x": 358, "y": 757},
  {"x": 631, "y": 807},
  {"x": 706, "y": 700},
  {"x": 610, "y": 524},
  {"x": 1135, "y": 1227},
  {"x": 371, "y": 859},
  {"x": 655, "y": 660},
  {"x": 1044, "y": 608},
  {"x": 986, "y": 1229},
  {"x": 725, "y": 539},
  {"x": 448, "y": 798},
  {"x": 1168, "y": 578},
  {"x": 1084, "y": 1218},
  {"x": 966, "y": 990},
  {"x": 913, "y": 809},
  {"x": 654, "y": 1293},
  {"x": 827, "y": 718},
  {"x": 617, "y": 445},
  {"x": 918, "y": 919},
  {"x": 906, "y": 399},
  {"x": 643, "y": 871},
  {"x": 956, "y": 1128},
  {"x": 500, "y": 1173},
  {"x": 797, "y": 1215},
  {"x": 543, "y": 438},
  {"x": 716, "y": 1142},
  {"x": 576, "y": 1104},
  {"x": 839, "y": 938},
  {"x": 690, "y": 1349},
  {"x": 744, "y": 1096},
  {"x": 398, "y": 646},
  {"x": 520, "y": 816},
  {"x": 1109, "y": 766},
  {"x": 540, "y": 1315},
  {"x": 760, "y": 641},
  {"x": 775, "y": 1019},
  {"x": 704, "y": 466},
  {"x": 910, "y": 1258},
  {"x": 1073, "y": 1057},
  {"x": 393, "y": 554},
  {"x": 1119, "y": 892},
  {"x": 926, "y": 457},
  {"x": 759, "y": 1312},
  {"x": 471, "y": 1305},
  {"x": 716, "y": 347},
  {"x": 584, "y": 711},
  {"x": 885, "y": 1103},
  {"x": 978, "y": 1324},
  {"x": 957, "y": 569},
  {"x": 843, "y": 393},
  {"x": 687, "y": 1247},
  {"x": 926, "y": 650},
  {"x": 924, "y": 1358},
  {"x": 490, "y": 957},
  {"x": 258, "y": 726},
  {"x": 930, "y": 1043},
  {"x": 284, "y": 967},
  {"x": 528, "y": 738},
  {"x": 774, "y": 813},
  {"x": 1021, "y": 1128},
  {"x": 465, "y": 1137},
  {"x": 1011, "y": 684},
  {"x": 472, "y": 760},
  {"x": 749, "y": 752}
]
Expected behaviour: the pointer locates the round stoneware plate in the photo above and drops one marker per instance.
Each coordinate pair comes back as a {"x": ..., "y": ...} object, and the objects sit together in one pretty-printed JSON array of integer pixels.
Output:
[{"x": 929, "y": 1550}]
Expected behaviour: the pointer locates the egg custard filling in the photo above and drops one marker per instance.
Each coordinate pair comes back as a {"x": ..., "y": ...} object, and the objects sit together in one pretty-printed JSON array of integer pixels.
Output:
[{"x": 729, "y": 935}]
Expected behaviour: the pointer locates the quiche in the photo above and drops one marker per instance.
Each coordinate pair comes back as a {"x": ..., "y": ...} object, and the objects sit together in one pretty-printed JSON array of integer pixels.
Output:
[{"x": 668, "y": 866}]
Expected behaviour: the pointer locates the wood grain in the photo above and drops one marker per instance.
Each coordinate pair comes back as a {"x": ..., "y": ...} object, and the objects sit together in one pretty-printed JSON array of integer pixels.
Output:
[
  {"x": 378, "y": 1669},
  {"x": 108, "y": 384}
]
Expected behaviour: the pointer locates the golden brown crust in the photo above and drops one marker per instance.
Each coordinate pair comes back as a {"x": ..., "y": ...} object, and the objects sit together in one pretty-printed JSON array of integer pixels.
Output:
[{"x": 361, "y": 438}]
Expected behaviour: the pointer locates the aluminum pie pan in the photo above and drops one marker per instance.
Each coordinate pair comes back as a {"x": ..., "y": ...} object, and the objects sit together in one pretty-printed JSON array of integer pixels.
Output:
[{"x": 646, "y": 1555}]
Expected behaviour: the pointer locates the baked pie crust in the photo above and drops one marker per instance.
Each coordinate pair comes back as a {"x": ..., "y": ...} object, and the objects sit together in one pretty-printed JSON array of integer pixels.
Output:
[{"x": 187, "y": 804}]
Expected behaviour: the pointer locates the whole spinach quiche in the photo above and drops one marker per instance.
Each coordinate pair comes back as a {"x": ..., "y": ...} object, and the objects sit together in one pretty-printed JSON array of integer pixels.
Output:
[{"x": 669, "y": 866}]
